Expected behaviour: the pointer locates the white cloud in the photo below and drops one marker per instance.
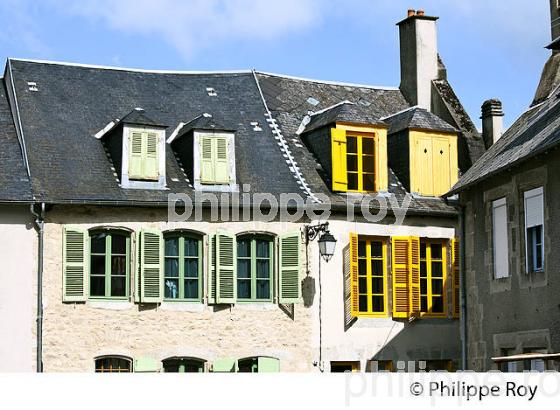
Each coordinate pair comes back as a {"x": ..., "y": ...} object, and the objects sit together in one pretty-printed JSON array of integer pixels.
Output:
[{"x": 191, "y": 25}]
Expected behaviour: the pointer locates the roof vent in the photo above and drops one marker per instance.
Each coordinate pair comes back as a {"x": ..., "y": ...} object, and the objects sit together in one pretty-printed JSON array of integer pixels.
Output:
[
  {"x": 256, "y": 126},
  {"x": 139, "y": 109},
  {"x": 206, "y": 115},
  {"x": 32, "y": 86},
  {"x": 314, "y": 102},
  {"x": 211, "y": 92}
]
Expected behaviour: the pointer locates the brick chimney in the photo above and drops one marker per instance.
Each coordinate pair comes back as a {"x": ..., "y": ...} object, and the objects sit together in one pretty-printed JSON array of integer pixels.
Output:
[
  {"x": 419, "y": 57},
  {"x": 492, "y": 122}
]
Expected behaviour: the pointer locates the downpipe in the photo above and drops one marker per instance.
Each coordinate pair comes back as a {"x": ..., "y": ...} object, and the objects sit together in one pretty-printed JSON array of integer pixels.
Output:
[
  {"x": 39, "y": 224},
  {"x": 463, "y": 285}
]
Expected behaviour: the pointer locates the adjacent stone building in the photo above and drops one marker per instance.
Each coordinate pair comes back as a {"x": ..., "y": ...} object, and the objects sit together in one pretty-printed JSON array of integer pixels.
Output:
[{"x": 127, "y": 285}]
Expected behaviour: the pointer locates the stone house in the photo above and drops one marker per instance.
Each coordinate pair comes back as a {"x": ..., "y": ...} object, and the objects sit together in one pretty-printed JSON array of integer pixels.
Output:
[
  {"x": 510, "y": 210},
  {"x": 95, "y": 156}
]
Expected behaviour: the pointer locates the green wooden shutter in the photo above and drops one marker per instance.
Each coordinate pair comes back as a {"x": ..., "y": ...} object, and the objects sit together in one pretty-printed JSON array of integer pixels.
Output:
[
  {"x": 150, "y": 162},
  {"x": 221, "y": 166},
  {"x": 74, "y": 261},
  {"x": 151, "y": 266},
  {"x": 290, "y": 286},
  {"x": 146, "y": 365},
  {"x": 226, "y": 278},
  {"x": 226, "y": 365},
  {"x": 138, "y": 266},
  {"x": 268, "y": 365},
  {"x": 206, "y": 160},
  {"x": 135, "y": 155},
  {"x": 211, "y": 269}
]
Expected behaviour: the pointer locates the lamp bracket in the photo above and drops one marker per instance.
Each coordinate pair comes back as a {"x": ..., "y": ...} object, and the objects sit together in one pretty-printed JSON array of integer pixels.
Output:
[{"x": 312, "y": 231}]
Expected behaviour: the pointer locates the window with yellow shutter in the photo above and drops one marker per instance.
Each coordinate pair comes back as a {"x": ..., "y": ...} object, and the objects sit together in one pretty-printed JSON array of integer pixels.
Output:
[{"x": 433, "y": 276}]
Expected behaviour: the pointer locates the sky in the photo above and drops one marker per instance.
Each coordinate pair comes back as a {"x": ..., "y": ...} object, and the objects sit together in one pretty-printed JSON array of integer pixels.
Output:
[{"x": 492, "y": 48}]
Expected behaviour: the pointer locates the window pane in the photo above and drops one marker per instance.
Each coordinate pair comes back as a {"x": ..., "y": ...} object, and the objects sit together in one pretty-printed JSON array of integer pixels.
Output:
[
  {"x": 377, "y": 285},
  {"x": 367, "y": 146},
  {"x": 362, "y": 285},
  {"x": 118, "y": 265},
  {"x": 436, "y": 250},
  {"x": 368, "y": 164},
  {"x": 263, "y": 248},
  {"x": 98, "y": 243},
  {"x": 118, "y": 244},
  {"x": 191, "y": 247},
  {"x": 352, "y": 163},
  {"x": 263, "y": 289},
  {"x": 376, "y": 250},
  {"x": 263, "y": 269},
  {"x": 362, "y": 249},
  {"x": 423, "y": 269},
  {"x": 191, "y": 268},
  {"x": 243, "y": 268},
  {"x": 351, "y": 144},
  {"x": 97, "y": 265},
  {"x": 243, "y": 289},
  {"x": 423, "y": 286},
  {"x": 112, "y": 364},
  {"x": 362, "y": 266},
  {"x": 172, "y": 267},
  {"x": 172, "y": 247},
  {"x": 118, "y": 286},
  {"x": 377, "y": 302},
  {"x": 171, "y": 290},
  {"x": 422, "y": 250},
  {"x": 437, "y": 305},
  {"x": 424, "y": 304},
  {"x": 437, "y": 286},
  {"x": 437, "y": 270},
  {"x": 97, "y": 286},
  {"x": 191, "y": 289},
  {"x": 368, "y": 182},
  {"x": 194, "y": 366},
  {"x": 243, "y": 248},
  {"x": 363, "y": 303},
  {"x": 353, "y": 181},
  {"x": 377, "y": 267}
]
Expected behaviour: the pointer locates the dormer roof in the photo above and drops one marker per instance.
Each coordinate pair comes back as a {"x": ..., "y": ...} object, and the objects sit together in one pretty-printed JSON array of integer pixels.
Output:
[
  {"x": 417, "y": 118},
  {"x": 344, "y": 112},
  {"x": 139, "y": 117}
]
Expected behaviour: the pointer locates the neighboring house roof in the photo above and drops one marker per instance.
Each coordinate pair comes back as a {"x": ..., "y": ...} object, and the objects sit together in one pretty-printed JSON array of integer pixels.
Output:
[
  {"x": 535, "y": 131},
  {"x": 345, "y": 111},
  {"x": 73, "y": 103},
  {"x": 14, "y": 181},
  {"x": 417, "y": 118}
]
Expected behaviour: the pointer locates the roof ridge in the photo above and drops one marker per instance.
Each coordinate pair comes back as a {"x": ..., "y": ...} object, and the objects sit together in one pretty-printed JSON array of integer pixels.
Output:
[
  {"x": 400, "y": 112},
  {"x": 331, "y": 107},
  {"x": 357, "y": 85}
]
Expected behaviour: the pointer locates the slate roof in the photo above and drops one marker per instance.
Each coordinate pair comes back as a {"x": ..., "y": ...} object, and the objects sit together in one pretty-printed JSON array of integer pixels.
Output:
[
  {"x": 417, "y": 118},
  {"x": 535, "y": 131},
  {"x": 74, "y": 102},
  {"x": 139, "y": 117},
  {"x": 14, "y": 181},
  {"x": 203, "y": 122},
  {"x": 345, "y": 111}
]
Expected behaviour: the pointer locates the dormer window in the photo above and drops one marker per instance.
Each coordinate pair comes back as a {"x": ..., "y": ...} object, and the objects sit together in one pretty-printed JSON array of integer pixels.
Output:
[
  {"x": 136, "y": 146},
  {"x": 357, "y": 147},
  {"x": 206, "y": 150}
]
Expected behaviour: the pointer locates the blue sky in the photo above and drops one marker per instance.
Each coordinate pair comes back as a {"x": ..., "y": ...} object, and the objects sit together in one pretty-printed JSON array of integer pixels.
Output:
[{"x": 492, "y": 48}]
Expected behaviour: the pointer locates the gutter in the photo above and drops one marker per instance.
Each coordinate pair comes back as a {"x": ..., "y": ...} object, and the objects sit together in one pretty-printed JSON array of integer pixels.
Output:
[{"x": 40, "y": 227}]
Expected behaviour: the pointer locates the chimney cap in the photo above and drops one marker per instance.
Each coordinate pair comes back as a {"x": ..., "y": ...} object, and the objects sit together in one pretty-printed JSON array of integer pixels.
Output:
[
  {"x": 420, "y": 13},
  {"x": 411, "y": 12},
  {"x": 417, "y": 15},
  {"x": 492, "y": 108}
]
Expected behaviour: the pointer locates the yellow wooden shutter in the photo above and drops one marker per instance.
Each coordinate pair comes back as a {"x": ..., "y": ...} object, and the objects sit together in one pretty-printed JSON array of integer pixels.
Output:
[
  {"x": 338, "y": 148},
  {"x": 150, "y": 163},
  {"x": 455, "y": 259},
  {"x": 441, "y": 162},
  {"x": 414, "y": 269},
  {"x": 135, "y": 158},
  {"x": 354, "y": 305},
  {"x": 401, "y": 260},
  {"x": 382, "y": 165}
]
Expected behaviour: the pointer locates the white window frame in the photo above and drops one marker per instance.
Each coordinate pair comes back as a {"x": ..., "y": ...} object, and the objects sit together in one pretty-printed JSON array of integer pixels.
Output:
[
  {"x": 126, "y": 182},
  {"x": 500, "y": 267},
  {"x": 197, "y": 156},
  {"x": 527, "y": 196}
]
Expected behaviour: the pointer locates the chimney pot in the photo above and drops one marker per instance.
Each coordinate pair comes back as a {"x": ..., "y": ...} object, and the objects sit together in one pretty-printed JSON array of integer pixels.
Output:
[
  {"x": 420, "y": 13},
  {"x": 411, "y": 12},
  {"x": 492, "y": 121}
]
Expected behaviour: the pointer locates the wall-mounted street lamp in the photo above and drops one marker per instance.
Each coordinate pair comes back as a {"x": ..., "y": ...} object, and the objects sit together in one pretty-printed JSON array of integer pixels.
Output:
[
  {"x": 327, "y": 242},
  {"x": 327, "y": 245}
]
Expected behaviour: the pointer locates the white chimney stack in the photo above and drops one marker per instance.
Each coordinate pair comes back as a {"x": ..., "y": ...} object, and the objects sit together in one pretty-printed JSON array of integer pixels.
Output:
[{"x": 419, "y": 57}]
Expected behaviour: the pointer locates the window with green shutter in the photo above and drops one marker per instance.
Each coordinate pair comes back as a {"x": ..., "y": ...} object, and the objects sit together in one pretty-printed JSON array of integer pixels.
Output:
[
  {"x": 258, "y": 364},
  {"x": 109, "y": 264},
  {"x": 255, "y": 268},
  {"x": 214, "y": 160},
  {"x": 74, "y": 259},
  {"x": 290, "y": 267},
  {"x": 150, "y": 251},
  {"x": 183, "y": 365},
  {"x": 143, "y": 161},
  {"x": 182, "y": 267}
]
